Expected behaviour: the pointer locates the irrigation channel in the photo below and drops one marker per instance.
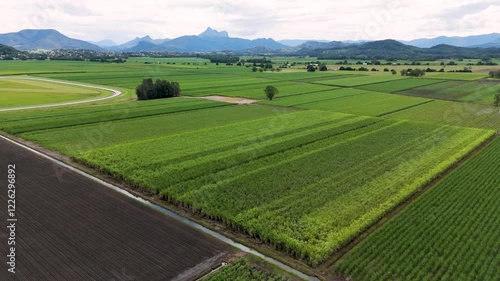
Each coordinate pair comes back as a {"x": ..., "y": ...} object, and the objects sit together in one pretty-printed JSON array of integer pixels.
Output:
[{"x": 172, "y": 215}]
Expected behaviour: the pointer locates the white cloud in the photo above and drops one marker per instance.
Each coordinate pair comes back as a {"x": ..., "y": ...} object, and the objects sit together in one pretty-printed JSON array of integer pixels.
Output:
[{"x": 279, "y": 19}]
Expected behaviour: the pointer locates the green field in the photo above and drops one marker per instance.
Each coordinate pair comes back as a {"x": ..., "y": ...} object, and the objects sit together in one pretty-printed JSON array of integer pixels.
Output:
[
  {"x": 450, "y": 233},
  {"x": 361, "y": 80},
  {"x": 21, "y": 121},
  {"x": 18, "y": 92},
  {"x": 238, "y": 172},
  {"x": 453, "y": 113},
  {"x": 398, "y": 85},
  {"x": 304, "y": 173},
  {"x": 352, "y": 101},
  {"x": 455, "y": 76},
  {"x": 481, "y": 91}
]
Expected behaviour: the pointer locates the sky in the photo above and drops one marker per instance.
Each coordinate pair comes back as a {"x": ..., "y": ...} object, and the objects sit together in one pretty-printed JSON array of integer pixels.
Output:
[{"x": 123, "y": 20}]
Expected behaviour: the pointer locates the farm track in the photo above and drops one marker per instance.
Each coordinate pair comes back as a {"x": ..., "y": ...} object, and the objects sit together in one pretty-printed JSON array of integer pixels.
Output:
[
  {"x": 71, "y": 228},
  {"x": 115, "y": 94},
  {"x": 199, "y": 241}
]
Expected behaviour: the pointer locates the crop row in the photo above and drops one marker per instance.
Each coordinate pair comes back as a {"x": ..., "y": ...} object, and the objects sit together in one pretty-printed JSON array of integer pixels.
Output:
[
  {"x": 279, "y": 203},
  {"x": 399, "y": 85},
  {"x": 481, "y": 91},
  {"x": 360, "y": 80},
  {"x": 369, "y": 103},
  {"x": 301, "y": 100},
  {"x": 449, "y": 233},
  {"x": 26, "y": 122},
  {"x": 350, "y": 101},
  {"x": 70, "y": 140},
  {"x": 305, "y": 182},
  {"x": 453, "y": 113}
]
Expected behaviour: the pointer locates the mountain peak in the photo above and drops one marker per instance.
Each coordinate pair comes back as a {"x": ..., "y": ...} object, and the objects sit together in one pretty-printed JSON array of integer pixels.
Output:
[{"x": 212, "y": 33}]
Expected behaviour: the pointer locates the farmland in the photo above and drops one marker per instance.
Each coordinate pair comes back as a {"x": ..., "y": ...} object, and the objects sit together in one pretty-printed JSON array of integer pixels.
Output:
[
  {"x": 352, "y": 101},
  {"x": 481, "y": 91},
  {"x": 300, "y": 176},
  {"x": 457, "y": 218},
  {"x": 15, "y": 92},
  {"x": 253, "y": 155},
  {"x": 60, "y": 236}
]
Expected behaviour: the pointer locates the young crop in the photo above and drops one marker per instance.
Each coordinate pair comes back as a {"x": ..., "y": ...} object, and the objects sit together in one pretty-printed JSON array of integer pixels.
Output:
[{"x": 449, "y": 233}]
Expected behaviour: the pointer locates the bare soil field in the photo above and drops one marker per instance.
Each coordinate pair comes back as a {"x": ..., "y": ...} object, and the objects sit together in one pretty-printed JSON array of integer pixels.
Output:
[
  {"x": 230, "y": 99},
  {"x": 71, "y": 228}
]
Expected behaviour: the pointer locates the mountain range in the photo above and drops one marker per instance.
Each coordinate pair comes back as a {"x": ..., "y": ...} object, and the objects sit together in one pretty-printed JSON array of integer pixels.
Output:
[
  {"x": 208, "y": 41},
  {"x": 480, "y": 41},
  {"x": 46, "y": 39},
  {"x": 212, "y": 40}
]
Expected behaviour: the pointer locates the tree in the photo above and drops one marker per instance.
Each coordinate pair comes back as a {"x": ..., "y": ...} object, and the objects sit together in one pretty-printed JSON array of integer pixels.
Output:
[
  {"x": 497, "y": 99},
  {"x": 160, "y": 89},
  {"x": 323, "y": 67},
  {"x": 270, "y": 92},
  {"x": 254, "y": 69},
  {"x": 311, "y": 68},
  {"x": 393, "y": 71}
]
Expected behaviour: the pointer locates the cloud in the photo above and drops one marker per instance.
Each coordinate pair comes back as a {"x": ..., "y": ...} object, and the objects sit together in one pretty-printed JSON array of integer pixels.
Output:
[{"x": 279, "y": 19}]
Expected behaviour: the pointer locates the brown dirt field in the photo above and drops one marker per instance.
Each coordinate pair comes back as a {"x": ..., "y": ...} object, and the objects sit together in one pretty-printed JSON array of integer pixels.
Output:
[
  {"x": 230, "y": 99},
  {"x": 71, "y": 228}
]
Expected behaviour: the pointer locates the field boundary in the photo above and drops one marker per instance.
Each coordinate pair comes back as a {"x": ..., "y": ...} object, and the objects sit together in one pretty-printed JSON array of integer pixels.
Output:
[
  {"x": 334, "y": 257},
  {"x": 116, "y": 93},
  {"x": 142, "y": 199},
  {"x": 405, "y": 108}
]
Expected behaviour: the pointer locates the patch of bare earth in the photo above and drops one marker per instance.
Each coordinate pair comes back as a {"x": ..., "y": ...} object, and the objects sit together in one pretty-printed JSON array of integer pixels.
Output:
[{"x": 231, "y": 99}]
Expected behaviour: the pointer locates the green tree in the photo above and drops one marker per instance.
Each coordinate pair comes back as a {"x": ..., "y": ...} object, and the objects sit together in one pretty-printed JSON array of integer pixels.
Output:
[
  {"x": 270, "y": 92},
  {"x": 497, "y": 99},
  {"x": 160, "y": 89},
  {"x": 393, "y": 71},
  {"x": 323, "y": 67},
  {"x": 311, "y": 68}
]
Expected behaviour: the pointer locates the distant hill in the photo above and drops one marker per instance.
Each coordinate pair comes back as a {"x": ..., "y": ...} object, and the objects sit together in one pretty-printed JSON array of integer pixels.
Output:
[
  {"x": 212, "y": 33},
  {"x": 484, "y": 41},
  {"x": 8, "y": 51},
  {"x": 392, "y": 49},
  {"x": 131, "y": 45},
  {"x": 208, "y": 41},
  {"x": 314, "y": 45},
  {"x": 297, "y": 42},
  {"x": 105, "y": 43},
  {"x": 48, "y": 39}
]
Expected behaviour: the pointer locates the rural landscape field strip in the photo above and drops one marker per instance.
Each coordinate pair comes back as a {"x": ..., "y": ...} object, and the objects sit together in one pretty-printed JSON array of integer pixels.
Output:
[
  {"x": 104, "y": 113},
  {"x": 30, "y": 92},
  {"x": 455, "y": 76},
  {"x": 251, "y": 155},
  {"x": 456, "y": 218},
  {"x": 369, "y": 103},
  {"x": 298, "y": 100},
  {"x": 399, "y": 85},
  {"x": 360, "y": 80},
  {"x": 305, "y": 173},
  {"x": 72, "y": 139},
  {"x": 452, "y": 113},
  {"x": 257, "y": 211},
  {"x": 481, "y": 91},
  {"x": 98, "y": 247},
  {"x": 196, "y": 161}
]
